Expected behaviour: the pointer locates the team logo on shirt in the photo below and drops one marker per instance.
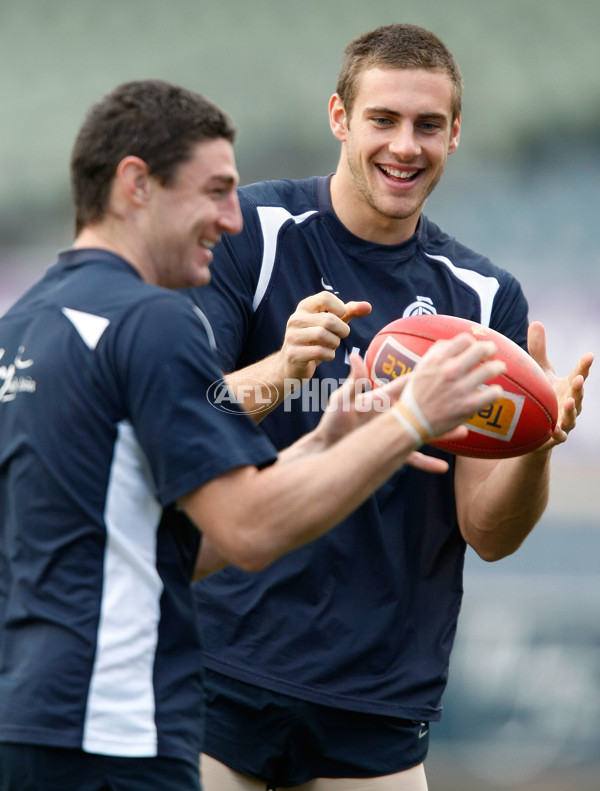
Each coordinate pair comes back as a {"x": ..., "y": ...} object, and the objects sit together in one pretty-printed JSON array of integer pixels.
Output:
[
  {"x": 12, "y": 381},
  {"x": 422, "y": 307}
]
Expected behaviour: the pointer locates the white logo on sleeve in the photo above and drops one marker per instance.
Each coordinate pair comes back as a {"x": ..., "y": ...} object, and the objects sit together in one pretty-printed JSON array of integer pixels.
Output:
[{"x": 12, "y": 382}]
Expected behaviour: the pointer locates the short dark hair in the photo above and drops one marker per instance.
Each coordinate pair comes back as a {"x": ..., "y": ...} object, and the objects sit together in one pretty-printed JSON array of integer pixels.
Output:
[
  {"x": 399, "y": 46},
  {"x": 152, "y": 119}
]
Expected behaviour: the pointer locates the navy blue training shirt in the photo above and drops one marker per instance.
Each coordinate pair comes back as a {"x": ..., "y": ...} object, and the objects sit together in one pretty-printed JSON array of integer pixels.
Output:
[
  {"x": 364, "y": 618},
  {"x": 104, "y": 424}
]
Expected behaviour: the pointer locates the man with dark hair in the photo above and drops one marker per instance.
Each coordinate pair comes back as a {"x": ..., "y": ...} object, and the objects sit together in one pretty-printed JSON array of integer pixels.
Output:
[
  {"x": 113, "y": 457},
  {"x": 324, "y": 671},
  {"x": 150, "y": 119}
]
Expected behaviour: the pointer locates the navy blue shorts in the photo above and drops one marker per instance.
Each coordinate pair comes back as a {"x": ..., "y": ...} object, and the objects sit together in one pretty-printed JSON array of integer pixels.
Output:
[
  {"x": 284, "y": 741},
  {"x": 31, "y": 767}
]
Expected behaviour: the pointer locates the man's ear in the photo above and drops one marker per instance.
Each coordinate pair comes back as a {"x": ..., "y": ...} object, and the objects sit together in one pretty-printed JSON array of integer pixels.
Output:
[
  {"x": 454, "y": 135},
  {"x": 133, "y": 178},
  {"x": 338, "y": 120}
]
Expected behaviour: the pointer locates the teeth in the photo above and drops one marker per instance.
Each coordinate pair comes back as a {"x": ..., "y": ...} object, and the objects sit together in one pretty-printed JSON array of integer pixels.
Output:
[
  {"x": 399, "y": 174},
  {"x": 207, "y": 243}
]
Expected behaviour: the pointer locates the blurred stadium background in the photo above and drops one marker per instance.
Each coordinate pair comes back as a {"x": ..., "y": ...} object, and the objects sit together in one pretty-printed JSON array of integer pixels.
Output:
[{"x": 522, "y": 709}]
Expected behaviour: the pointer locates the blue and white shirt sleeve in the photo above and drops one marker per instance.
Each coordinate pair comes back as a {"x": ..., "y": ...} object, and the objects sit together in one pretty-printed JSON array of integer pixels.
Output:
[{"x": 167, "y": 367}]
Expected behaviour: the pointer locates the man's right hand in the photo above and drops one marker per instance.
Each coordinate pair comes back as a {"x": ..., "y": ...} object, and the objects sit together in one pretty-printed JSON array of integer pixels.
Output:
[{"x": 314, "y": 332}]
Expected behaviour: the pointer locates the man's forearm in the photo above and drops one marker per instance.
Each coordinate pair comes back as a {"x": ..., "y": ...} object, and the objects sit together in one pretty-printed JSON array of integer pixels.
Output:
[
  {"x": 260, "y": 387},
  {"x": 500, "y": 502}
]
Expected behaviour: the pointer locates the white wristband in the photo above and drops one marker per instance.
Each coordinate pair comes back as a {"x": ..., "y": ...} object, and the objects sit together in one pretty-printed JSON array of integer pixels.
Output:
[
  {"x": 409, "y": 408},
  {"x": 400, "y": 417}
]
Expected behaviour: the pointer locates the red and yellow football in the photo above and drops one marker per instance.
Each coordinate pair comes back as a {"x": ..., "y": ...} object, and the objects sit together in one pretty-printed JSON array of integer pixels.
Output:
[{"x": 519, "y": 422}]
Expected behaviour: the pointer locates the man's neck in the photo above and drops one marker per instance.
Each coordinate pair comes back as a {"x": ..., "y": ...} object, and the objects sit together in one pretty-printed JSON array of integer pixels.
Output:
[
  {"x": 364, "y": 221},
  {"x": 102, "y": 237}
]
